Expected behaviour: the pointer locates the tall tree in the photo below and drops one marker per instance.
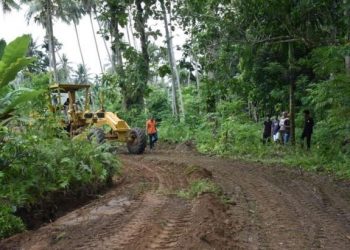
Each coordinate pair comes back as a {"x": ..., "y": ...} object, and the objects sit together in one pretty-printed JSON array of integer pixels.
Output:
[
  {"x": 43, "y": 12},
  {"x": 8, "y": 5},
  {"x": 89, "y": 7},
  {"x": 64, "y": 70},
  {"x": 72, "y": 11},
  {"x": 81, "y": 75}
]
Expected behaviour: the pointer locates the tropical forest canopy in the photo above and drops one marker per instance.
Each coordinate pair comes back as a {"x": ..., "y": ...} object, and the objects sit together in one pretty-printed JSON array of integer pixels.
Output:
[{"x": 243, "y": 60}]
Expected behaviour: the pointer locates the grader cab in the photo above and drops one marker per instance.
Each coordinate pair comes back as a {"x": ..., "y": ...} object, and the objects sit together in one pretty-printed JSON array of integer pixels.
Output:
[{"x": 78, "y": 117}]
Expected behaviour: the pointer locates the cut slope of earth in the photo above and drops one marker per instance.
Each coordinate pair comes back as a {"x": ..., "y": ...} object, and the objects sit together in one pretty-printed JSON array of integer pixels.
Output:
[{"x": 265, "y": 208}]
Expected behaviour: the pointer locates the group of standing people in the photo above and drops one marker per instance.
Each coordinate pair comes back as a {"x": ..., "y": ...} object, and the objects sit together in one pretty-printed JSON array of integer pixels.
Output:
[{"x": 279, "y": 129}]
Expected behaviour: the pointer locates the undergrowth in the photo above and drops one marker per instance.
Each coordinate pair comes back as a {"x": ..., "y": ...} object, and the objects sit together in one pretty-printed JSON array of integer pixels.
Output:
[
  {"x": 38, "y": 160},
  {"x": 239, "y": 138}
]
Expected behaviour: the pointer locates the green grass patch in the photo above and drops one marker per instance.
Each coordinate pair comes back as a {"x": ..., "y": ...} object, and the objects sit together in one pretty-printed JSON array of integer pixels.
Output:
[{"x": 198, "y": 187}]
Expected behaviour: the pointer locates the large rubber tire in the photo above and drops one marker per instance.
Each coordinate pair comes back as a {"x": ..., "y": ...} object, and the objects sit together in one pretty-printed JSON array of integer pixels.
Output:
[
  {"x": 137, "y": 141},
  {"x": 96, "y": 134}
]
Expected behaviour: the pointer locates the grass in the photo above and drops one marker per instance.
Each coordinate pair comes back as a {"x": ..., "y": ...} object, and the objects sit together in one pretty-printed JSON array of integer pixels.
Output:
[{"x": 198, "y": 187}]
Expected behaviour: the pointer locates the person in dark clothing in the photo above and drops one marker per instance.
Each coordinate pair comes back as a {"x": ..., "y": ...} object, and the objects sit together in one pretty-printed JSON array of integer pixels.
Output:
[
  {"x": 308, "y": 129},
  {"x": 287, "y": 130},
  {"x": 267, "y": 130}
]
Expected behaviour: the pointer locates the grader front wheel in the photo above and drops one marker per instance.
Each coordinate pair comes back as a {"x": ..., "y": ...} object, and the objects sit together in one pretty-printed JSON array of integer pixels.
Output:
[
  {"x": 137, "y": 141},
  {"x": 97, "y": 135}
]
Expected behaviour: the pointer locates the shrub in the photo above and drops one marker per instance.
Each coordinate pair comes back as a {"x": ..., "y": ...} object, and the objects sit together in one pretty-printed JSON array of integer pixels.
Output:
[
  {"x": 40, "y": 160},
  {"x": 9, "y": 224}
]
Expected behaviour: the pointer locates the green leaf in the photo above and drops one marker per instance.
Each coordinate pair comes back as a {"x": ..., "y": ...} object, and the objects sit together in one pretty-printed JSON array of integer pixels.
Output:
[
  {"x": 2, "y": 47},
  {"x": 65, "y": 160},
  {"x": 12, "y": 100},
  {"x": 64, "y": 184},
  {"x": 16, "y": 49},
  {"x": 8, "y": 72}
]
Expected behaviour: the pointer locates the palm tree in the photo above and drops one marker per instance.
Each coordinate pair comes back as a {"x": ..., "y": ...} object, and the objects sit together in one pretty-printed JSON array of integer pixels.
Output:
[
  {"x": 8, "y": 5},
  {"x": 89, "y": 6},
  {"x": 71, "y": 11},
  {"x": 81, "y": 76},
  {"x": 43, "y": 12},
  {"x": 64, "y": 70}
]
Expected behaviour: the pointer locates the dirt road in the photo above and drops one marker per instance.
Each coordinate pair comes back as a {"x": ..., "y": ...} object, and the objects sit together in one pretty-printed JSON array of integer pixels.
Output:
[{"x": 260, "y": 208}]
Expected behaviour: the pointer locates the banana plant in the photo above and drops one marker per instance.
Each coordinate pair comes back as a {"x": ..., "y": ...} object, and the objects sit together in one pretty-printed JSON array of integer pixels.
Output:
[{"x": 12, "y": 60}]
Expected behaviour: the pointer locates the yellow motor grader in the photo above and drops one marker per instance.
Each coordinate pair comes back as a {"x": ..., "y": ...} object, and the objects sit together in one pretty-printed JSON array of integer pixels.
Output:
[{"x": 79, "y": 118}]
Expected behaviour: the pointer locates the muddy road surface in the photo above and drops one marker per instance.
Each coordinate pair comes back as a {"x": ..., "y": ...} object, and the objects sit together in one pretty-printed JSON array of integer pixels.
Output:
[{"x": 259, "y": 207}]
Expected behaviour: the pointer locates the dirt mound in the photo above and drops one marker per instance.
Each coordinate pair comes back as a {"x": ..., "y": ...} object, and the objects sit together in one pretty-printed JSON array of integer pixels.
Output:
[
  {"x": 187, "y": 146},
  {"x": 194, "y": 173},
  {"x": 212, "y": 227}
]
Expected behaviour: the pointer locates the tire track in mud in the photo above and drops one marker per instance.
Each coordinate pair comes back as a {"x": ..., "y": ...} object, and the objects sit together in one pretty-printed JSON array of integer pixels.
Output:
[
  {"x": 168, "y": 224},
  {"x": 280, "y": 215},
  {"x": 154, "y": 207},
  {"x": 134, "y": 227},
  {"x": 324, "y": 222},
  {"x": 269, "y": 208},
  {"x": 173, "y": 227},
  {"x": 277, "y": 219}
]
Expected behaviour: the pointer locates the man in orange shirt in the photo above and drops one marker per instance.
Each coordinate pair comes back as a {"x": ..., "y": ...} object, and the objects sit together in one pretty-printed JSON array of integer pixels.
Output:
[{"x": 151, "y": 127}]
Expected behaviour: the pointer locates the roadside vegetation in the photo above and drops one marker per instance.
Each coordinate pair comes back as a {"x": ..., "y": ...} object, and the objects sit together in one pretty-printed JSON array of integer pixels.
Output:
[{"x": 38, "y": 160}]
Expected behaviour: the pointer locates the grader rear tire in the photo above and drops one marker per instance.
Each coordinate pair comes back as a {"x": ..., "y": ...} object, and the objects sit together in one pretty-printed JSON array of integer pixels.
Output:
[{"x": 137, "y": 141}]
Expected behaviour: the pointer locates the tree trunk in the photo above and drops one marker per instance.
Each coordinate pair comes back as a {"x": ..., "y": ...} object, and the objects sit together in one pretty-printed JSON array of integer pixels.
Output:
[
  {"x": 131, "y": 29},
  {"x": 173, "y": 73},
  {"x": 49, "y": 31},
  {"x": 116, "y": 44},
  {"x": 79, "y": 45},
  {"x": 106, "y": 47},
  {"x": 189, "y": 78},
  {"x": 347, "y": 64},
  {"x": 143, "y": 38},
  {"x": 117, "y": 56},
  {"x": 197, "y": 76},
  {"x": 95, "y": 40},
  {"x": 347, "y": 36},
  {"x": 144, "y": 65},
  {"x": 291, "y": 92},
  {"x": 182, "y": 109},
  {"x": 128, "y": 34}
]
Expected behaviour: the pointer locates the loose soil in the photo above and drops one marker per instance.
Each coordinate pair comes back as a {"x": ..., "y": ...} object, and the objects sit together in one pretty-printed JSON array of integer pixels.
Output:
[{"x": 260, "y": 208}]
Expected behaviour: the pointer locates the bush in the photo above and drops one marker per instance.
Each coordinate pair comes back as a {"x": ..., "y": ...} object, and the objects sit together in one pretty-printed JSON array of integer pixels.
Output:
[
  {"x": 9, "y": 224},
  {"x": 40, "y": 160}
]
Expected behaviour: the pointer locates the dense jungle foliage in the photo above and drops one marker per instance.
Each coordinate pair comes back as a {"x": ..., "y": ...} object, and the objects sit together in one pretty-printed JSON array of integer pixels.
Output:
[
  {"x": 241, "y": 61},
  {"x": 38, "y": 160}
]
